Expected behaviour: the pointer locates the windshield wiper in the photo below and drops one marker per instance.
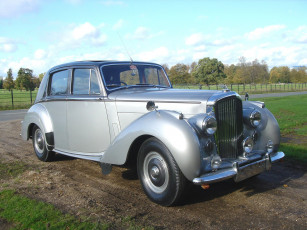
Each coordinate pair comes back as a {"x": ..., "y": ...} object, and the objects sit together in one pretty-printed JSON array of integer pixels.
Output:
[
  {"x": 113, "y": 85},
  {"x": 145, "y": 84},
  {"x": 156, "y": 86}
]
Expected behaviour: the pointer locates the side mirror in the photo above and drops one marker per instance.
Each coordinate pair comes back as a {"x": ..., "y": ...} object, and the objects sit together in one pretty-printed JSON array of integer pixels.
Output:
[{"x": 151, "y": 106}]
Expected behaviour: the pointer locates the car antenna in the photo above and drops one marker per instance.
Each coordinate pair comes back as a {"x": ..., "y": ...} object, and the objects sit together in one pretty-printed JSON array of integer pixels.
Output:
[{"x": 131, "y": 61}]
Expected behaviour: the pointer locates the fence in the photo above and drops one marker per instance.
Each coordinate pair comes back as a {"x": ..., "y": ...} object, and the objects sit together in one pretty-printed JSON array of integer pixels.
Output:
[
  {"x": 16, "y": 99},
  {"x": 251, "y": 88},
  {"x": 24, "y": 99}
]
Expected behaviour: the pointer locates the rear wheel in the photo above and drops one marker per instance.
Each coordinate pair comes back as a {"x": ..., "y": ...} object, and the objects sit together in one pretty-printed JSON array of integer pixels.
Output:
[
  {"x": 160, "y": 176},
  {"x": 39, "y": 144}
]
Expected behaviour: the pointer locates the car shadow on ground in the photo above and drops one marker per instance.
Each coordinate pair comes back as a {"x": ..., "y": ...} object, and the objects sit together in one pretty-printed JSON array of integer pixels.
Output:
[
  {"x": 61, "y": 157},
  {"x": 279, "y": 176}
]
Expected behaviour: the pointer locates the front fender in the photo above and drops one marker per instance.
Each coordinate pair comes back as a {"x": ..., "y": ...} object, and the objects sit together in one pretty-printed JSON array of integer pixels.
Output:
[
  {"x": 177, "y": 135},
  {"x": 268, "y": 129},
  {"x": 39, "y": 116}
]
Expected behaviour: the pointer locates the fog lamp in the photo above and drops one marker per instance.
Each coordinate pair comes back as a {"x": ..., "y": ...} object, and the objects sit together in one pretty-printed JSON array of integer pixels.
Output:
[
  {"x": 248, "y": 145},
  {"x": 255, "y": 118},
  {"x": 216, "y": 162},
  {"x": 269, "y": 146},
  {"x": 209, "y": 125}
]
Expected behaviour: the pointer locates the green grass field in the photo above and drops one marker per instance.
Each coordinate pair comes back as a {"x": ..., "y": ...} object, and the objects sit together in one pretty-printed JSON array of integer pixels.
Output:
[{"x": 21, "y": 99}]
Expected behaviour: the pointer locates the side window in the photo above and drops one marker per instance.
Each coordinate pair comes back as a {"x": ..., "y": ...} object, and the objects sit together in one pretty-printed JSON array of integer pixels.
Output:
[
  {"x": 94, "y": 83},
  {"x": 59, "y": 83},
  {"x": 81, "y": 82},
  {"x": 85, "y": 82}
]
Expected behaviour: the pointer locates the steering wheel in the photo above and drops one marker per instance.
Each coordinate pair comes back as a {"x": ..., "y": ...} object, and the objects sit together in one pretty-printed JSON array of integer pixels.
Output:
[{"x": 124, "y": 83}]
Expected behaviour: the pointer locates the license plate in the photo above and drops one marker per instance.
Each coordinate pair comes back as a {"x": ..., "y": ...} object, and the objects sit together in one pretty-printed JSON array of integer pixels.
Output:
[{"x": 252, "y": 169}]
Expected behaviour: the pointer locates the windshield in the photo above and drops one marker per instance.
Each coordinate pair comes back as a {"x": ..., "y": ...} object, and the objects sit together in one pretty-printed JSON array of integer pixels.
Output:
[{"x": 116, "y": 76}]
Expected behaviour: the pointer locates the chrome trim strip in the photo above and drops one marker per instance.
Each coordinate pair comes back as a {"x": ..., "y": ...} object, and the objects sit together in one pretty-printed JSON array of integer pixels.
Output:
[
  {"x": 181, "y": 102},
  {"x": 92, "y": 157},
  {"x": 218, "y": 96},
  {"x": 276, "y": 156},
  {"x": 214, "y": 177},
  {"x": 240, "y": 173}
]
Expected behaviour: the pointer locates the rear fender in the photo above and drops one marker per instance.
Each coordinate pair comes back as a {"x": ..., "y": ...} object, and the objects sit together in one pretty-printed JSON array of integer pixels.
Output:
[{"x": 39, "y": 116}]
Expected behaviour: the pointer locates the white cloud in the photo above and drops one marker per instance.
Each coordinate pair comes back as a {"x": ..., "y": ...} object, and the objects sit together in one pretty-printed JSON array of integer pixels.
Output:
[
  {"x": 195, "y": 39},
  {"x": 298, "y": 35},
  {"x": 157, "y": 55},
  {"x": 7, "y": 45},
  {"x": 143, "y": 33},
  {"x": 84, "y": 30},
  {"x": 13, "y": 8},
  {"x": 40, "y": 54},
  {"x": 118, "y": 25},
  {"x": 264, "y": 31},
  {"x": 84, "y": 35}
]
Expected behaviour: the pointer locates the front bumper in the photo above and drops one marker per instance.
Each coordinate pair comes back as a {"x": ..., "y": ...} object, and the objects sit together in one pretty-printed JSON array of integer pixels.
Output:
[{"x": 239, "y": 173}]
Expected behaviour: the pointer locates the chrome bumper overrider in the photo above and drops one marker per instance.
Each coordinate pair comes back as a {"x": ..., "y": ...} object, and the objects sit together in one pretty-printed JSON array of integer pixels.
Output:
[{"x": 238, "y": 172}]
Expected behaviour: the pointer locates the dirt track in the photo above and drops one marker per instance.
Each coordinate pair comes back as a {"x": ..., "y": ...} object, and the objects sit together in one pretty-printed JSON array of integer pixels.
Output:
[{"x": 273, "y": 200}]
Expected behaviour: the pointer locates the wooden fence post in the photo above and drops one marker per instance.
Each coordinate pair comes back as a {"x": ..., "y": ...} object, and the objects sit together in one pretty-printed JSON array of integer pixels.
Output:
[{"x": 12, "y": 96}]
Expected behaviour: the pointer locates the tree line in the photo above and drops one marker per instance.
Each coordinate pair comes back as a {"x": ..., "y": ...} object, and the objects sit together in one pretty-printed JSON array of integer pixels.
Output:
[
  {"x": 205, "y": 71},
  {"x": 212, "y": 71},
  {"x": 25, "y": 80}
]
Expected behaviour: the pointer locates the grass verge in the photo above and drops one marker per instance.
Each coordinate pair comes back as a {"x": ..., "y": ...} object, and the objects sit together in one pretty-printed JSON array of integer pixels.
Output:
[
  {"x": 11, "y": 169},
  {"x": 291, "y": 114},
  {"x": 31, "y": 214}
]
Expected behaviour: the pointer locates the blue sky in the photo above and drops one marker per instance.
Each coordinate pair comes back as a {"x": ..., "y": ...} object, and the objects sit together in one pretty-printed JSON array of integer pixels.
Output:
[{"x": 39, "y": 34}]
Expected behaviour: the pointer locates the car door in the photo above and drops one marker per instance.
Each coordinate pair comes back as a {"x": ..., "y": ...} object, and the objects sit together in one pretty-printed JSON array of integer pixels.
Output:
[
  {"x": 87, "y": 123},
  {"x": 56, "y": 106}
]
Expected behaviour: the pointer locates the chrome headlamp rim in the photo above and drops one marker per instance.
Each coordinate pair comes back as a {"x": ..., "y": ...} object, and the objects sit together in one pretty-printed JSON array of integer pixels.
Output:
[
  {"x": 255, "y": 118},
  {"x": 209, "y": 125}
]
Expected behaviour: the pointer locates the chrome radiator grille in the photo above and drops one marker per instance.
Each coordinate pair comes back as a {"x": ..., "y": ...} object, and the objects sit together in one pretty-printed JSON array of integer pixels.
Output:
[{"x": 229, "y": 134}]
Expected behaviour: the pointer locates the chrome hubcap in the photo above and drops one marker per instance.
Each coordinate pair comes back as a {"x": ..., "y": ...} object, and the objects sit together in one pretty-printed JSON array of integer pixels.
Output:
[
  {"x": 156, "y": 172},
  {"x": 39, "y": 141}
]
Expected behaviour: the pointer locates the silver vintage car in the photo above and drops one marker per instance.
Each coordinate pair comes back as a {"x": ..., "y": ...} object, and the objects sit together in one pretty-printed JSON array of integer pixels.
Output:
[{"x": 127, "y": 113}]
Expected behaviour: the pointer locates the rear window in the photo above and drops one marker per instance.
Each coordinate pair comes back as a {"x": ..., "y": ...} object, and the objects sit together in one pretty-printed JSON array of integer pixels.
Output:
[{"x": 59, "y": 83}]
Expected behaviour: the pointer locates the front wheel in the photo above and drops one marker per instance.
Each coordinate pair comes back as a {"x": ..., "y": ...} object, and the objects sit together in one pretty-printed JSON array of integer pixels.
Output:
[
  {"x": 39, "y": 145},
  {"x": 160, "y": 176}
]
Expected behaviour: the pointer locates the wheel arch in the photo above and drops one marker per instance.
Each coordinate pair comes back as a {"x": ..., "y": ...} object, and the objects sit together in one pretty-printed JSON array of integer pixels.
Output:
[
  {"x": 134, "y": 150},
  {"x": 38, "y": 115},
  {"x": 175, "y": 133}
]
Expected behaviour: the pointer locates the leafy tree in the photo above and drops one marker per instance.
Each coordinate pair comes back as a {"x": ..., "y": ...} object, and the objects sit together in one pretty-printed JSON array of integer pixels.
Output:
[
  {"x": 179, "y": 74},
  {"x": 24, "y": 79},
  {"x": 8, "y": 83},
  {"x": 40, "y": 76},
  {"x": 1, "y": 82},
  {"x": 298, "y": 74},
  {"x": 247, "y": 72},
  {"x": 209, "y": 71},
  {"x": 230, "y": 72},
  {"x": 36, "y": 82},
  {"x": 165, "y": 66},
  {"x": 280, "y": 74}
]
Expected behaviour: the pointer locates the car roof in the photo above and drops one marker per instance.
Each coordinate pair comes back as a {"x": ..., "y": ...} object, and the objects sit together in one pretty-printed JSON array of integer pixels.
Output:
[{"x": 97, "y": 63}]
